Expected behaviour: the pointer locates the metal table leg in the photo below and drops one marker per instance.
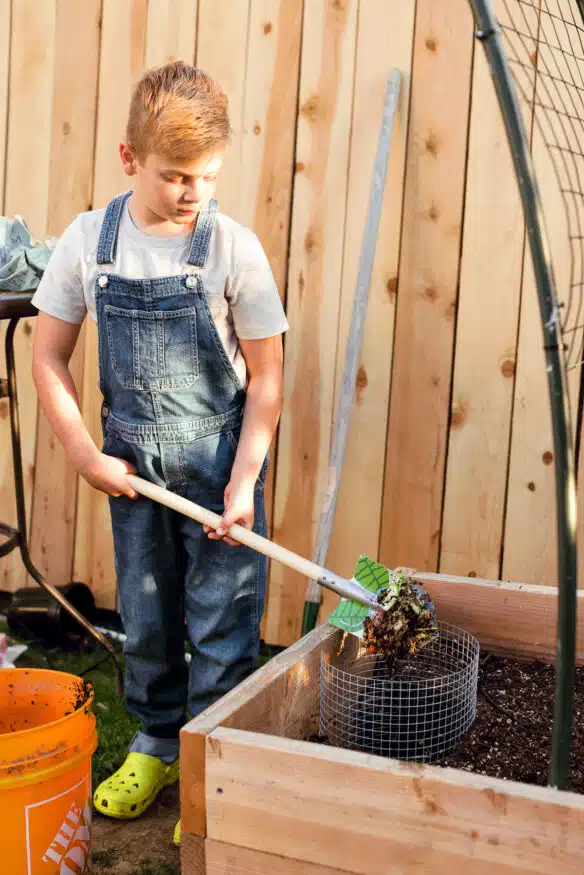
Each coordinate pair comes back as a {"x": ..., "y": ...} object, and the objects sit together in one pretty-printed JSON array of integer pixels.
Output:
[{"x": 17, "y": 537}]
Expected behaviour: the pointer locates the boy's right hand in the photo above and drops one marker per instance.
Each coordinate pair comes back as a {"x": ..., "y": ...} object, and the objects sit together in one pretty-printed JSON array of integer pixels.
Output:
[{"x": 109, "y": 475}]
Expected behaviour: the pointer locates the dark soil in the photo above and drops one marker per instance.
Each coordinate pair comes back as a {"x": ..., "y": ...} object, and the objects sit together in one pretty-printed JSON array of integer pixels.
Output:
[
  {"x": 512, "y": 733},
  {"x": 511, "y": 736},
  {"x": 83, "y": 691}
]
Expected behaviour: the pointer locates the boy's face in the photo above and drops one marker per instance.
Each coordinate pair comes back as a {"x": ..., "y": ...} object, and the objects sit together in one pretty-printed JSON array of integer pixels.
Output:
[{"x": 170, "y": 189}]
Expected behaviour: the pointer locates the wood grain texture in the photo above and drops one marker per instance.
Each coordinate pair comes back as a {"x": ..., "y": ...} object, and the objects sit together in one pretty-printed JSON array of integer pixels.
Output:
[
  {"x": 5, "y": 31},
  {"x": 192, "y": 854},
  {"x": 531, "y": 505},
  {"x": 322, "y": 152},
  {"x": 385, "y": 40},
  {"x": 267, "y": 149},
  {"x": 269, "y": 124},
  {"x": 223, "y": 33},
  {"x": 371, "y": 815},
  {"x": 530, "y": 534},
  {"x": 6, "y": 472},
  {"x": 513, "y": 618},
  {"x": 427, "y": 290},
  {"x": 206, "y": 857},
  {"x": 223, "y": 859},
  {"x": 70, "y": 190},
  {"x": 171, "y": 33},
  {"x": 486, "y": 339},
  {"x": 123, "y": 40},
  {"x": 122, "y": 51},
  {"x": 274, "y": 697},
  {"x": 28, "y": 163}
]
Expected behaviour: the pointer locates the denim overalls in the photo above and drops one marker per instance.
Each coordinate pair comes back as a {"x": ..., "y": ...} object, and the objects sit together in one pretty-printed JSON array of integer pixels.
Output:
[{"x": 172, "y": 406}]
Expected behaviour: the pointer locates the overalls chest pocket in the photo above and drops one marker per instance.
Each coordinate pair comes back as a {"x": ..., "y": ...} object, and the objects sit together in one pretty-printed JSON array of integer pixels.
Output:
[{"x": 153, "y": 350}]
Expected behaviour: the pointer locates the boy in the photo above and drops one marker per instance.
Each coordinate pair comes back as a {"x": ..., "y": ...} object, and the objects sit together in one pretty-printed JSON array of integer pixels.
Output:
[{"x": 190, "y": 361}]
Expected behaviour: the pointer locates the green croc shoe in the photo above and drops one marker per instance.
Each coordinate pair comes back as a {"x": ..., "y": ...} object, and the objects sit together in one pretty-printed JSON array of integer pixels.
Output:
[
  {"x": 135, "y": 786},
  {"x": 176, "y": 837}
]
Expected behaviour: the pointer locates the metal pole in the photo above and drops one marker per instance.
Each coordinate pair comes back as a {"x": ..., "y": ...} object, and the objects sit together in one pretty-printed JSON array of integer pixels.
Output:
[
  {"x": 580, "y": 411},
  {"x": 489, "y": 35},
  {"x": 354, "y": 344}
]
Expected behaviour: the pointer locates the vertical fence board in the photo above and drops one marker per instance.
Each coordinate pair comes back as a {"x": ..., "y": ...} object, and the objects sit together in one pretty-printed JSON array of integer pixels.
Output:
[
  {"x": 121, "y": 63},
  {"x": 269, "y": 124},
  {"x": 267, "y": 152},
  {"x": 32, "y": 58},
  {"x": 6, "y": 472},
  {"x": 530, "y": 533},
  {"x": 385, "y": 40},
  {"x": 326, "y": 88},
  {"x": 75, "y": 91},
  {"x": 171, "y": 31},
  {"x": 426, "y": 305},
  {"x": 486, "y": 339},
  {"x": 222, "y": 51},
  {"x": 73, "y": 114},
  {"x": 5, "y": 10}
]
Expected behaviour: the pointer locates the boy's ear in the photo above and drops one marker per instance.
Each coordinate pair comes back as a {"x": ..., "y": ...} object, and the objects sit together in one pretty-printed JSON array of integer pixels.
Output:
[{"x": 128, "y": 159}]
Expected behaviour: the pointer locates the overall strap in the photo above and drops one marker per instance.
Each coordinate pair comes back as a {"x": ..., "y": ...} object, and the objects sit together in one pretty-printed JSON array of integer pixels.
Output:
[
  {"x": 202, "y": 235},
  {"x": 108, "y": 238}
]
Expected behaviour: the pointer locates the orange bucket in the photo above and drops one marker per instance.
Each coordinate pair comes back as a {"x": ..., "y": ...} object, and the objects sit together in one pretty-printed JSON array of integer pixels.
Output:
[{"x": 47, "y": 738}]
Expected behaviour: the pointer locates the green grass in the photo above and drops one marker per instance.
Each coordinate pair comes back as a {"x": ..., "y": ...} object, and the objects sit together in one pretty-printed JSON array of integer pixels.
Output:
[
  {"x": 105, "y": 859},
  {"x": 115, "y": 727},
  {"x": 267, "y": 652}
]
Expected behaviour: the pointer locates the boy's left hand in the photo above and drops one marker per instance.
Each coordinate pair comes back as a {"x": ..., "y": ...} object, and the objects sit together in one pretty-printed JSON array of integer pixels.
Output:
[{"x": 239, "y": 508}]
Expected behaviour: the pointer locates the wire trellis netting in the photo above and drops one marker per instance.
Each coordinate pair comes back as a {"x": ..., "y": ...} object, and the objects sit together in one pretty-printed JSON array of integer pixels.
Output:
[
  {"x": 535, "y": 52},
  {"x": 415, "y": 709},
  {"x": 544, "y": 43}
]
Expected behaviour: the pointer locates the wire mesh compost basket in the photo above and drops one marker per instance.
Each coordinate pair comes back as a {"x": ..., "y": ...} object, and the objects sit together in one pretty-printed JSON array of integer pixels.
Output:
[{"x": 416, "y": 709}]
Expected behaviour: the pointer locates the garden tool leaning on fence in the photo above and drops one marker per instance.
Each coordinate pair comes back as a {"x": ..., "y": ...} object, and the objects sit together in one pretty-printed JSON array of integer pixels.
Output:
[{"x": 354, "y": 342}]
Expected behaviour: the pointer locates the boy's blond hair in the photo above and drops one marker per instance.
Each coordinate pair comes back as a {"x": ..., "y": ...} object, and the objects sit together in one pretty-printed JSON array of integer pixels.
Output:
[{"x": 177, "y": 111}]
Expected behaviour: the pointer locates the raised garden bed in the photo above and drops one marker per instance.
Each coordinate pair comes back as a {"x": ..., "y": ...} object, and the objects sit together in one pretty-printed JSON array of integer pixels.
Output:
[{"x": 256, "y": 797}]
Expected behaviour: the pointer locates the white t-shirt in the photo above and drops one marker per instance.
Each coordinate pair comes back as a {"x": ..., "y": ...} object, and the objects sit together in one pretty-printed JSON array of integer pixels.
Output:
[{"x": 240, "y": 287}]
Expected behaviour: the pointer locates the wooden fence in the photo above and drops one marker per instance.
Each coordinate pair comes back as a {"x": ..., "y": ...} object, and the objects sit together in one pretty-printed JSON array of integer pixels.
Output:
[{"x": 449, "y": 464}]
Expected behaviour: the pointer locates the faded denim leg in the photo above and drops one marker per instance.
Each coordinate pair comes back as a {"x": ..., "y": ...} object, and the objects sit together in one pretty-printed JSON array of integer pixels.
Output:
[
  {"x": 225, "y": 593},
  {"x": 150, "y": 568}
]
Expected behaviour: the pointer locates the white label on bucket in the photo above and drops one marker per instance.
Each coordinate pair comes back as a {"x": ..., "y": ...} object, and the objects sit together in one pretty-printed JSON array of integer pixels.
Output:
[{"x": 58, "y": 832}]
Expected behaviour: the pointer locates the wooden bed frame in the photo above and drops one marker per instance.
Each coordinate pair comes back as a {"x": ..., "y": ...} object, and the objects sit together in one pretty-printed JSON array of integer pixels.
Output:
[{"x": 257, "y": 798}]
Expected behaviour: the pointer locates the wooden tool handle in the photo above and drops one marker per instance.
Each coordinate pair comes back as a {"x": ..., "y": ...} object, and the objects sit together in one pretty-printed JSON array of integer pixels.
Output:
[{"x": 238, "y": 533}]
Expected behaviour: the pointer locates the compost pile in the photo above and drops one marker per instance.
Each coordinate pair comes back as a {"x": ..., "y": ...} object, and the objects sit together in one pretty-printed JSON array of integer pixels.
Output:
[{"x": 408, "y": 620}]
